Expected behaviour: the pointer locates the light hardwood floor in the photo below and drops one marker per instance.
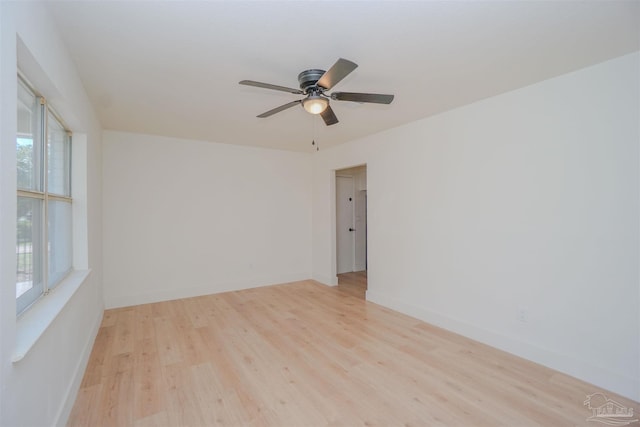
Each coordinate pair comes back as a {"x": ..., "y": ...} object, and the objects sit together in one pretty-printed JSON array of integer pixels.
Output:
[
  {"x": 304, "y": 354},
  {"x": 354, "y": 283}
]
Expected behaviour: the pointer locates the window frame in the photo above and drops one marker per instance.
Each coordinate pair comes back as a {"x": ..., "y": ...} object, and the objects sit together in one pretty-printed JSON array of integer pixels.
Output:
[{"x": 40, "y": 192}]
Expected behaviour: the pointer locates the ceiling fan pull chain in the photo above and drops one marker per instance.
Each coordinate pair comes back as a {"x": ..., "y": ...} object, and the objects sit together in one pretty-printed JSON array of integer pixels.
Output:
[{"x": 313, "y": 141}]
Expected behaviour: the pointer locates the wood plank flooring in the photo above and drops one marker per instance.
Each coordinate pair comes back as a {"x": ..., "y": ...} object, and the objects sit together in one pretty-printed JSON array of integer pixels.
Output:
[
  {"x": 303, "y": 354},
  {"x": 354, "y": 283}
]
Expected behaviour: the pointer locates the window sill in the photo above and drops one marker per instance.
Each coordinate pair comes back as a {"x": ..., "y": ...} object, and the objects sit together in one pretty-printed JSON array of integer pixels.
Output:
[{"x": 35, "y": 321}]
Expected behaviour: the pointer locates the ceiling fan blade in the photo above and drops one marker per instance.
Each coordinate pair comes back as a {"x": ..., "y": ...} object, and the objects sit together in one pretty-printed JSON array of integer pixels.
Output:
[
  {"x": 329, "y": 116},
  {"x": 337, "y": 72},
  {"x": 278, "y": 109},
  {"x": 270, "y": 86},
  {"x": 375, "y": 98}
]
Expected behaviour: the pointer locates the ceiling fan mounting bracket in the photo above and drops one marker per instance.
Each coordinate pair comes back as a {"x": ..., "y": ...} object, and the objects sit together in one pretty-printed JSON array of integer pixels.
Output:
[{"x": 308, "y": 80}]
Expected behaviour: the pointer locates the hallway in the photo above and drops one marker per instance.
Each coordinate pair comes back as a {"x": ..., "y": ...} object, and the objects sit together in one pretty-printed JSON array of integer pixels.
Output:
[{"x": 354, "y": 283}]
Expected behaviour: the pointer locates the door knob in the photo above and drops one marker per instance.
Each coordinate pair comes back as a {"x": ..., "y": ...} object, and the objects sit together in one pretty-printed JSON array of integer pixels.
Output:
[{"x": 352, "y": 229}]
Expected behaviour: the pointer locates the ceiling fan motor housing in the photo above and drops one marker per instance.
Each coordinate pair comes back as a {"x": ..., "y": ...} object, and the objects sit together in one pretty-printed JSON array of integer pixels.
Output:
[{"x": 308, "y": 80}]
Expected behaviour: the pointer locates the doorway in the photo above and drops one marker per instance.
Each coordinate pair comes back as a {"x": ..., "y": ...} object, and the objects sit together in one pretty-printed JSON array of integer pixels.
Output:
[{"x": 351, "y": 230}]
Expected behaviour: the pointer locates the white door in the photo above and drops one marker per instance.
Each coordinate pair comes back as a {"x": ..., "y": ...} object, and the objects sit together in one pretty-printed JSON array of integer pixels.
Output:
[
  {"x": 345, "y": 236},
  {"x": 360, "y": 215}
]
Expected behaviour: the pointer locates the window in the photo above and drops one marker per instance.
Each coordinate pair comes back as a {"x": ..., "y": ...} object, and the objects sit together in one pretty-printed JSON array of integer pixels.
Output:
[{"x": 44, "y": 233}]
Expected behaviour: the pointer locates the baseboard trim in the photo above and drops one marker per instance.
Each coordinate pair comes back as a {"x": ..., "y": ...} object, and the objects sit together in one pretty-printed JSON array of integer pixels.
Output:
[
  {"x": 71, "y": 394},
  {"x": 195, "y": 291},
  {"x": 326, "y": 280},
  {"x": 600, "y": 377}
]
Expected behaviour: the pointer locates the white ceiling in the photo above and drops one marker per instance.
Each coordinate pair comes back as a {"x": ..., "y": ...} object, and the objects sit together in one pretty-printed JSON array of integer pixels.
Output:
[{"x": 172, "y": 68}]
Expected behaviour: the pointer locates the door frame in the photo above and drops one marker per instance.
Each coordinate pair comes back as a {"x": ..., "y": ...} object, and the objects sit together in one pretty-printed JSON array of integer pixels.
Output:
[{"x": 333, "y": 207}]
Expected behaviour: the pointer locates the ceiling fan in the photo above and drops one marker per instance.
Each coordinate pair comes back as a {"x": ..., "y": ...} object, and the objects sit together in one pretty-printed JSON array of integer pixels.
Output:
[{"x": 314, "y": 84}]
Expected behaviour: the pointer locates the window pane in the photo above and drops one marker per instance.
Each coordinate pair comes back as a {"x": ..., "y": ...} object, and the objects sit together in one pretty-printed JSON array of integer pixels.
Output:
[
  {"x": 29, "y": 251},
  {"x": 29, "y": 151},
  {"x": 59, "y": 233},
  {"x": 59, "y": 156}
]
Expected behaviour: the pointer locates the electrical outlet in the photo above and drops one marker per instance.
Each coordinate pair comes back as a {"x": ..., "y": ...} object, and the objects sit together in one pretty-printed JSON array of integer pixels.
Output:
[{"x": 522, "y": 315}]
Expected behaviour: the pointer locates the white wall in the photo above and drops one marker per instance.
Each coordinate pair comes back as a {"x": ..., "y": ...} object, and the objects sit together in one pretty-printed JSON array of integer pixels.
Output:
[
  {"x": 185, "y": 218},
  {"x": 526, "y": 201},
  {"x": 40, "y": 389}
]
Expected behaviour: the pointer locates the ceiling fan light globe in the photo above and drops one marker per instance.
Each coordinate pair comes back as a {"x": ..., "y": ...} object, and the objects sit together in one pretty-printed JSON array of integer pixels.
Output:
[{"x": 315, "y": 104}]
